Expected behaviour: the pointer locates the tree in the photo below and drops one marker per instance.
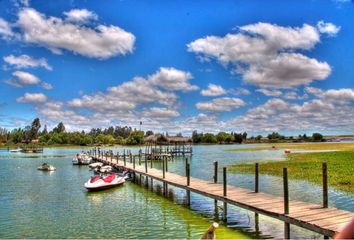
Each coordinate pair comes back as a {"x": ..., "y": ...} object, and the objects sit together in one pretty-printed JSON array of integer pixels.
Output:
[
  {"x": 45, "y": 130},
  {"x": 149, "y": 133},
  {"x": 59, "y": 128},
  {"x": 244, "y": 135},
  {"x": 238, "y": 138},
  {"x": 197, "y": 137},
  {"x": 136, "y": 137},
  {"x": 259, "y": 137},
  {"x": 35, "y": 126},
  {"x": 209, "y": 138},
  {"x": 317, "y": 137}
]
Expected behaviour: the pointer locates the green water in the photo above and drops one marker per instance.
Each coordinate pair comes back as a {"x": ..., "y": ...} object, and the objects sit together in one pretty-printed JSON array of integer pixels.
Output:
[{"x": 35, "y": 204}]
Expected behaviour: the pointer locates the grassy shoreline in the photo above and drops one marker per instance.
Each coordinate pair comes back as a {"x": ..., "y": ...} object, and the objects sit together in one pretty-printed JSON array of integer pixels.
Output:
[
  {"x": 308, "y": 166},
  {"x": 336, "y": 146}
]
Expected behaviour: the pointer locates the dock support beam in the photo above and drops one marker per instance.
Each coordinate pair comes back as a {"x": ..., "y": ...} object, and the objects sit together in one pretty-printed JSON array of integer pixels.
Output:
[
  {"x": 324, "y": 185},
  {"x": 215, "y": 181},
  {"x": 225, "y": 194},
  {"x": 188, "y": 175},
  {"x": 146, "y": 166},
  {"x": 256, "y": 179},
  {"x": 286, "y": 203},
  {"x": 134, "y": 162}
]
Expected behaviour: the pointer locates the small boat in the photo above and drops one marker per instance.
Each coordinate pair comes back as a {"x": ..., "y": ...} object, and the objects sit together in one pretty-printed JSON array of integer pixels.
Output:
[
  {"x": 82, "y": 159},
  {"x": 16, "y": 150},
  {"x": 99, "y": 182},
  {"x": 46, "y": 167},
  {"x": 103, "y": 169},
  {"x": 95, "y": 165}
]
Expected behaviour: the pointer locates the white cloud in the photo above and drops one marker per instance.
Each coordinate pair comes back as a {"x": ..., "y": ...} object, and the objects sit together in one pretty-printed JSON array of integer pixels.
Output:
[
  {"x": 339, "y": 96},
  {"x": 25, "y": 2},
  {"x": 172, "y": 79},
  {"x": 25, "y": 61},
  {"x": 55, "y": 34},
  {"x": 5, "y": 29},
  {"x": 328, "y": 28},
  {"x": 160, "y": 113},
  {"x": 32, "y": 98},
  {"x": 213, "y": 90},
  {"x": 292, "y": 95},
  {"x": 264, "y": 54},
  {"x": 240, "y": 91},
  {"x": 47, "y": 86},
  {"x": 225, "y": 104},
  {"x": 267, "y": 92},
  {"x": 80, "y": 15},
  {"x": 22, "y": 79},
  {"x": 157, "y": 88}
]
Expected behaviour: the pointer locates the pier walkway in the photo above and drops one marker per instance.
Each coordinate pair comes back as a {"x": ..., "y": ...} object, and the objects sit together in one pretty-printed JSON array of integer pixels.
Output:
[{"x": 314, "y": 217}]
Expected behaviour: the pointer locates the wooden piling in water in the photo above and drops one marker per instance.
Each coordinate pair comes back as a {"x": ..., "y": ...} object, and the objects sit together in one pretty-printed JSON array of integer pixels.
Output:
[
  {"x": 324, "y": 185},
  {"x": 286, "y": 203},
  {"x": 146, "y": 166},
  {"x": 256, "y": 180},
  {"x": 134, "y": 162},
  {"x": 224, "y": 193},
  {"x": 163, "y": 169},
  {"x": 215, "y": 181}
]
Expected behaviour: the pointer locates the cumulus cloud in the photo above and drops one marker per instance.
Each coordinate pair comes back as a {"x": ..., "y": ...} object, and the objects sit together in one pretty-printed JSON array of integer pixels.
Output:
[
  {"x": 25, "y": 61},
  {"x": 172, "y": 79},
  {"x": 160, "y": 113},
  {"x": 157, "y": 88},
  {"x": 240, "y": 91},
  {"x": 225, "y": 104},
  {"x": 5, "y": 30},
  {"x": 80, "y": 15},
  {"x": 328, "y": 28},
  {"x": 264, "y": 54},
  {"x": 32, "y": 98},
  {"x": 46, "y": 85},
  {"x": 213, "y": 90},
  {"x": 340, "y": 96},
  {"x": 322, "y": 114},
  {"x": 56, "y": 34},
  {"x": 267, "y": 92},
  {"x": 22, "y": 79}
]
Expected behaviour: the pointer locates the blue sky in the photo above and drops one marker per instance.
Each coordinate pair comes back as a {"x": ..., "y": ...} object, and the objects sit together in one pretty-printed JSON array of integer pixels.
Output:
[{"x": 255, "y": 66}]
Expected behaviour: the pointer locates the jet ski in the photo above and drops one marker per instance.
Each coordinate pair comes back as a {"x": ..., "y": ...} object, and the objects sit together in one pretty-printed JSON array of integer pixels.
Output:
[
  {"x": 46, "y": 167},
  {"x": 99, "y": 182}
]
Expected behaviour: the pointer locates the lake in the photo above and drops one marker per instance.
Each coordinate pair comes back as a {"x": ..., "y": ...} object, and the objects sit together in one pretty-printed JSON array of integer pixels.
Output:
[{"x": 35, "y": 204}]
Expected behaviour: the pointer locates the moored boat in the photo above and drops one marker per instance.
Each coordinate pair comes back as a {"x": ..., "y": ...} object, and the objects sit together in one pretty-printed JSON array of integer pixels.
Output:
[
  {"x": 82, "y": 159},
  {"x": 46, "y": 167},
  {"x": 16, "y": 150},
  {"x": 99, "y": 182}
]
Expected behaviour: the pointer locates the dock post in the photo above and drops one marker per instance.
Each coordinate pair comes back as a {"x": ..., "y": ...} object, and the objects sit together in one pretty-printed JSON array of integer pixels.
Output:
[
  {"x": 163, "y": 169},
  {"x": 124, "y": 159},
  {"x": 256, "y": 180},
  {"x": 146, "y": 166},
  {"x": 150, "y": 161},
  {"x": 286, "y": 203},
  {"x": 225, "y": 194},
  {"x": 215, "y": 181},
  {"x": 139, "y": 160},
  {"x": 130, "y": 157},
  {"x": 117, "y": 157},
  {"x": 166, "y": 159},
  {"x": 325, "y": 185},
  {"x": 134, "y": 162},
  {"x": 215, "y": 171},
  {"x": 188, "y": 193},
  {"x": 112, "y": 156}
]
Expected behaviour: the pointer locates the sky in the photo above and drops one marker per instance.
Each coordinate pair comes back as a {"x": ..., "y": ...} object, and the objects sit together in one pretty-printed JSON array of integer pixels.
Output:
[{"x": 178, "y": 66}]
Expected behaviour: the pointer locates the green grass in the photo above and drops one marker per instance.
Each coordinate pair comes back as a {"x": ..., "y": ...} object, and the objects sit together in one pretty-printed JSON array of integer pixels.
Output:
[
  {"x": 337, "y": 146},
  {"x": 308, "y": 166}
]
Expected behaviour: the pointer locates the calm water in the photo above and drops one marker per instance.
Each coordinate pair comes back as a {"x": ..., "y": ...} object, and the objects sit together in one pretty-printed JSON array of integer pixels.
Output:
[{"x": 35, "y": 204}]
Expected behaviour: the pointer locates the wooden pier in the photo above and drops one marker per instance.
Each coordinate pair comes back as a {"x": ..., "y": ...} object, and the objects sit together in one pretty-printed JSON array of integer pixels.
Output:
[{"x": 318, "y": 218}]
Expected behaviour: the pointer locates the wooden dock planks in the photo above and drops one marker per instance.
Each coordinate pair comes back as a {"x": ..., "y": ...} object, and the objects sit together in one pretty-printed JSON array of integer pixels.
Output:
[{"x": 326, "y": 221}]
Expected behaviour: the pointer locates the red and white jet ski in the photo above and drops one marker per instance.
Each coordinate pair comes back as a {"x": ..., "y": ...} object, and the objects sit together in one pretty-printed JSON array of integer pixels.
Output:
[{"x": 98, "y": 182}]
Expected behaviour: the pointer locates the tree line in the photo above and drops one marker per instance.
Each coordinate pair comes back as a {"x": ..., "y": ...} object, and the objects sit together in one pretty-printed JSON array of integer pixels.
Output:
[{"x": 32, "y": 134}]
